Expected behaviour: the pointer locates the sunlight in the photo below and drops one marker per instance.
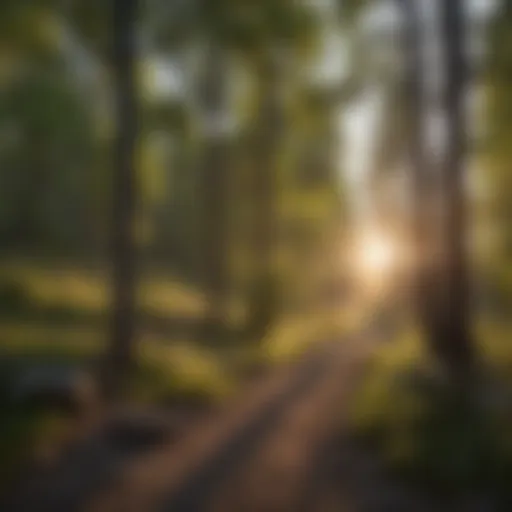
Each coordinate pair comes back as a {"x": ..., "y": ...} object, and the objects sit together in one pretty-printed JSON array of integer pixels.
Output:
[
  {"x": 377, "y": 254},
  {"x": 375, "y": 257}
]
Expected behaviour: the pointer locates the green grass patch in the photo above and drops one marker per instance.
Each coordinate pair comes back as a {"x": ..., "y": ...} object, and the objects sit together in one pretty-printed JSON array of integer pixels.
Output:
[
  {"x": 294, "y": 335},
  {"x": 181, "y": 372},
  {"x": 71, "y": 289}
]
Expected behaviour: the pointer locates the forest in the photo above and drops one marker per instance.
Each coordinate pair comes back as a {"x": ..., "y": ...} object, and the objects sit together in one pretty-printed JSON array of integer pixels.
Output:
[{"x": 255, "y": 255}]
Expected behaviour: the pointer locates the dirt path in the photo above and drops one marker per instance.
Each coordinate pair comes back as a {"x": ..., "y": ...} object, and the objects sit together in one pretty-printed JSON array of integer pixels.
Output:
[
  {"x": 265, "y": 462},
  {"x": 259, "y": 454},
  {"x": 282, "y": 473}
]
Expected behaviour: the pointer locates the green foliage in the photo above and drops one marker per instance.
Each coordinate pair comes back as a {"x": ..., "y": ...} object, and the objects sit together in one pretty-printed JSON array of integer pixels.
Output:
[
  {"x": 56, "y": 145},
  {"x": 91, "y": 19},
  {"x": 57, "y": 142},
  {"x": 245, "y": 25},
  {"x": 429, "y": 435},
  {"x": 45, "y": 109},
  {"x": 43, "y": 186},
  {"x": 28, "y": 30},
  {"x": 351, "y": 10},
  {"x": 497, "y": 151},
  {"x": 22, "y": 433}
]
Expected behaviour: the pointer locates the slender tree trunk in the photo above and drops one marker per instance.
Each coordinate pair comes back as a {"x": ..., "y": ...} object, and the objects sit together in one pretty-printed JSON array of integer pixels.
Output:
[
  {"x": 426, "y": 277},
  {"x": 264, "y": 294},
  {"x": 459, "y": 347},
  {"x": 122, "y": 327},
  {"x": 215, "y": 193}
]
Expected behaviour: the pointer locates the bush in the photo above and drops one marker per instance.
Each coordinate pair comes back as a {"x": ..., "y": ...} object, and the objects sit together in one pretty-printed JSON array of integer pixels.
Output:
[{"x": 430, "y": 437}]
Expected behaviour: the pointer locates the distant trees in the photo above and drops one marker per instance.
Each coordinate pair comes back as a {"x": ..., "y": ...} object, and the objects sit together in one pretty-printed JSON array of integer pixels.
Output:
[
  {"x": 276, "y": 51},
  {"x": 439, "y": 225},
  {"x": 41, "y": 190},
  {"x": 75, "y": 92}
]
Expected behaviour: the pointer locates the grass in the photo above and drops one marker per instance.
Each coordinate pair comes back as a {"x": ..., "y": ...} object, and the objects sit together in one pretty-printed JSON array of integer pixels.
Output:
[
  {"x": 294, "y": 335},
  {"x": 57, "y": 313},
  {"x": 85, "y": 291},
  {"x": 56, "y": 316},
  {"x": 182, "y": 371},
  {"x": 425, "y": 435},
  {"x": 162, "y": 370}
]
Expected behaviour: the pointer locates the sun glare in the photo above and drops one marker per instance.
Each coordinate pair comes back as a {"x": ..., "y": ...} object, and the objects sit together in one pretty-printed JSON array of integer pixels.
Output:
[
  {"x": 375, "y": 257},
  {"x": 377, "y": 254}
]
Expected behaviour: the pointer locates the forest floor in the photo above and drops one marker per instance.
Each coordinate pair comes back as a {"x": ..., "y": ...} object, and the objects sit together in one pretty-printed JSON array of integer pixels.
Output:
[
  {"x": 284, "y": 444},
  {"x": 264, "y": 451},
  {"x": 284, "y": 441}
]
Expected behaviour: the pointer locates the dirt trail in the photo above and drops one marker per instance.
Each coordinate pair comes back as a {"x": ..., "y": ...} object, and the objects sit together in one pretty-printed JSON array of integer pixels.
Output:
[
  {"x": 258, "y": 454},
  {"x": 263, "y": 464},
  {"x": 281, "y": 474}
]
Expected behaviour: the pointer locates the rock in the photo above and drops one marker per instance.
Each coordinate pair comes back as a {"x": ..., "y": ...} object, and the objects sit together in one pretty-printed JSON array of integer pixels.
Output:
[{"x": 65, "y": 388}]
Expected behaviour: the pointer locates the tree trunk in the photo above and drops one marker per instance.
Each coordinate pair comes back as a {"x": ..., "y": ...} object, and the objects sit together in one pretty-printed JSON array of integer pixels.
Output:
[
  {"x": 459, "y": 350},
  {"x": 215, "y": 198},
  {"x": 263, "y": 304},
  {"x": 120, "y": 355},
  {"x": 426, "y": 279}
]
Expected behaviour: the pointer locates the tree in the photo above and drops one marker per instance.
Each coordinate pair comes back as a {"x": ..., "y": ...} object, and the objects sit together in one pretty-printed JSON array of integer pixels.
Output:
[
  {"x": 122, "y": 328},
  {"x": 425, "y": 278},
  {"x": 285, "y": 39},
  {"x": 268, "y": 130},
  {"x": 243, "y": 34},
  {"x": 458, "y": 349},
  {"x": 440, "y": 280},
  {"x": 215, "y": 188}
]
